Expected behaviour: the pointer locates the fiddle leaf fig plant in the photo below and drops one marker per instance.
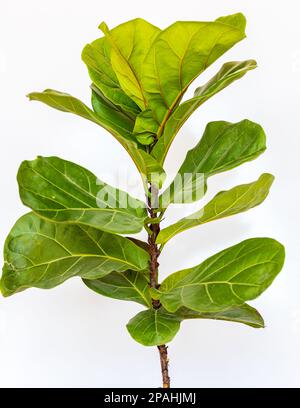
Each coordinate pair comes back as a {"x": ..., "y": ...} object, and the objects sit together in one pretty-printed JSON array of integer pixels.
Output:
[{"x": 79, "y": 225}]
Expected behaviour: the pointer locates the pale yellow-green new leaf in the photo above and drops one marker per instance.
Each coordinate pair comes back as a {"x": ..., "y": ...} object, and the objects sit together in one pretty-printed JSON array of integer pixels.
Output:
[
  {"x": 96, "y": 56},
  {"x": 179, "y": 54},
  {"x": 129, "y": 44}
]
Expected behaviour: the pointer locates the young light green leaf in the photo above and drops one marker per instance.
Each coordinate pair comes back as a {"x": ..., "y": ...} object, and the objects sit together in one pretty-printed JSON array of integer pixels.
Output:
[
  {"x": 145, "y": 128},
  {"x": 130, "y": 43},
  {"x": 153, "y": 327},
  {"x": 244, "y": 314},
  {"x": 229, "y": 278},
  {"x": 223, "y": 146},
  {"x": 230, "y": 72},
  {"x": 128, "y": 285},
  {"x": 96, "y": 57},
  {"x": 63, "y": 191},
  {"x": 237, "y": 20},
  {"x": 42, "y": 254},
  {"x": 179, "y": 54},
  {"x": 225, "y": 203}
]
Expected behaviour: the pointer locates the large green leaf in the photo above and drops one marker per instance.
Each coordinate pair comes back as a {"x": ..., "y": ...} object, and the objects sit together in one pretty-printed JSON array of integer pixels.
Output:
[
  {"x": 229, "y": 278},
  {"x": 63, "y": 191},
  {"x": 129, "y": 44},
  {"x": 129, "y": 285},
  {"x": 230, "y": 72},
  {"x": 153, "y": 327},
  {"x": 244, "y": 314},
  {"x": 43, "y": 254},
  {"x": 223, "y": 146},
  {"x": 225, "y": 203},
  {"x": 179, "y": 54}
]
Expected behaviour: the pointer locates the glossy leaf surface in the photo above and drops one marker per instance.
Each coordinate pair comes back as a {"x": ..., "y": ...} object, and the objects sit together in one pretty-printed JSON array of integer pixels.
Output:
[
  {"x": 109, "y": 119},
  {"x": 128, "y": 285},
  {"x": 179, "y": 54},
  {"x": 96, "y": 56},
  {"x": 104, "y": 108},
  {"x": 129, "y": 45},
  {"x": 244, "y": 314},
  {"x": 225, "y": 203},
  {"x": 223, "y": 146},
  {"x": 229, "y": 278},
  {"x": 230, "y": 72},
  {"x": 43, "y": 254},
  {"x": 153, "y": 327},
  {"x": 67, "y": 103},
  {"x": 63, "y": 191}
]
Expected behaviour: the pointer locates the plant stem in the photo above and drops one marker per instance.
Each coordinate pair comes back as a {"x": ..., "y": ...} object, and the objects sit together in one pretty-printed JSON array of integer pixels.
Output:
[
  {"x": 164, "y": 362},
  {"x": 154, "y": 253}
]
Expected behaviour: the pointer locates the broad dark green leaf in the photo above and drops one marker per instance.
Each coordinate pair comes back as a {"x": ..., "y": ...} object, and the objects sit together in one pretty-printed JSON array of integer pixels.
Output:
[
  {"x": 129, "y": 44},
  {"x": 230, "y": 72},
  {"x": 153, "y": 327},
  {"x": 129, "y": 285},
  {"x": 179, "y": 54},
  {"x": 229, "y": 278},
  {"x": 225, "y": 203},
  {"x": 63, "y": 191},
  {"x": 244, "y": 314},
  {"x": 223, "y": 146},
  {"x": 43, "y": 254}
]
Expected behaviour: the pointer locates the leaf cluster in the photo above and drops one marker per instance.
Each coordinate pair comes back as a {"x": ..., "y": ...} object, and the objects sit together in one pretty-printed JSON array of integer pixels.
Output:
[{"x": 78, "y": 224}]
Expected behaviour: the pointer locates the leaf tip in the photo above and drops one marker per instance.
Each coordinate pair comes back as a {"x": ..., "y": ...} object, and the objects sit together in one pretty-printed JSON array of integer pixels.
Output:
[
  {"x": 30, "y": 96},
  {"x": 103, "y": 27},
  {"x": 237, "y": 20}
]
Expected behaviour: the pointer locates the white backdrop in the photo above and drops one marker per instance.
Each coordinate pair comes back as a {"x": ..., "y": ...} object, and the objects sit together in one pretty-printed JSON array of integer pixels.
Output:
[{"x": 72, "y": 337}]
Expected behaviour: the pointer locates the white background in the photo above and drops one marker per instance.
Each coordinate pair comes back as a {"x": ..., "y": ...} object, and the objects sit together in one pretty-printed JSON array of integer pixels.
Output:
[{"x": 72, "y": 337}]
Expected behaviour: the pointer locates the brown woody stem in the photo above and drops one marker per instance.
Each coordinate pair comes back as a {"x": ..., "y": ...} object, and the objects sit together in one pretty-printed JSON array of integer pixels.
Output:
[
  {"x": 154, "y": 254},
  {"x": 164, "y": 362}
]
